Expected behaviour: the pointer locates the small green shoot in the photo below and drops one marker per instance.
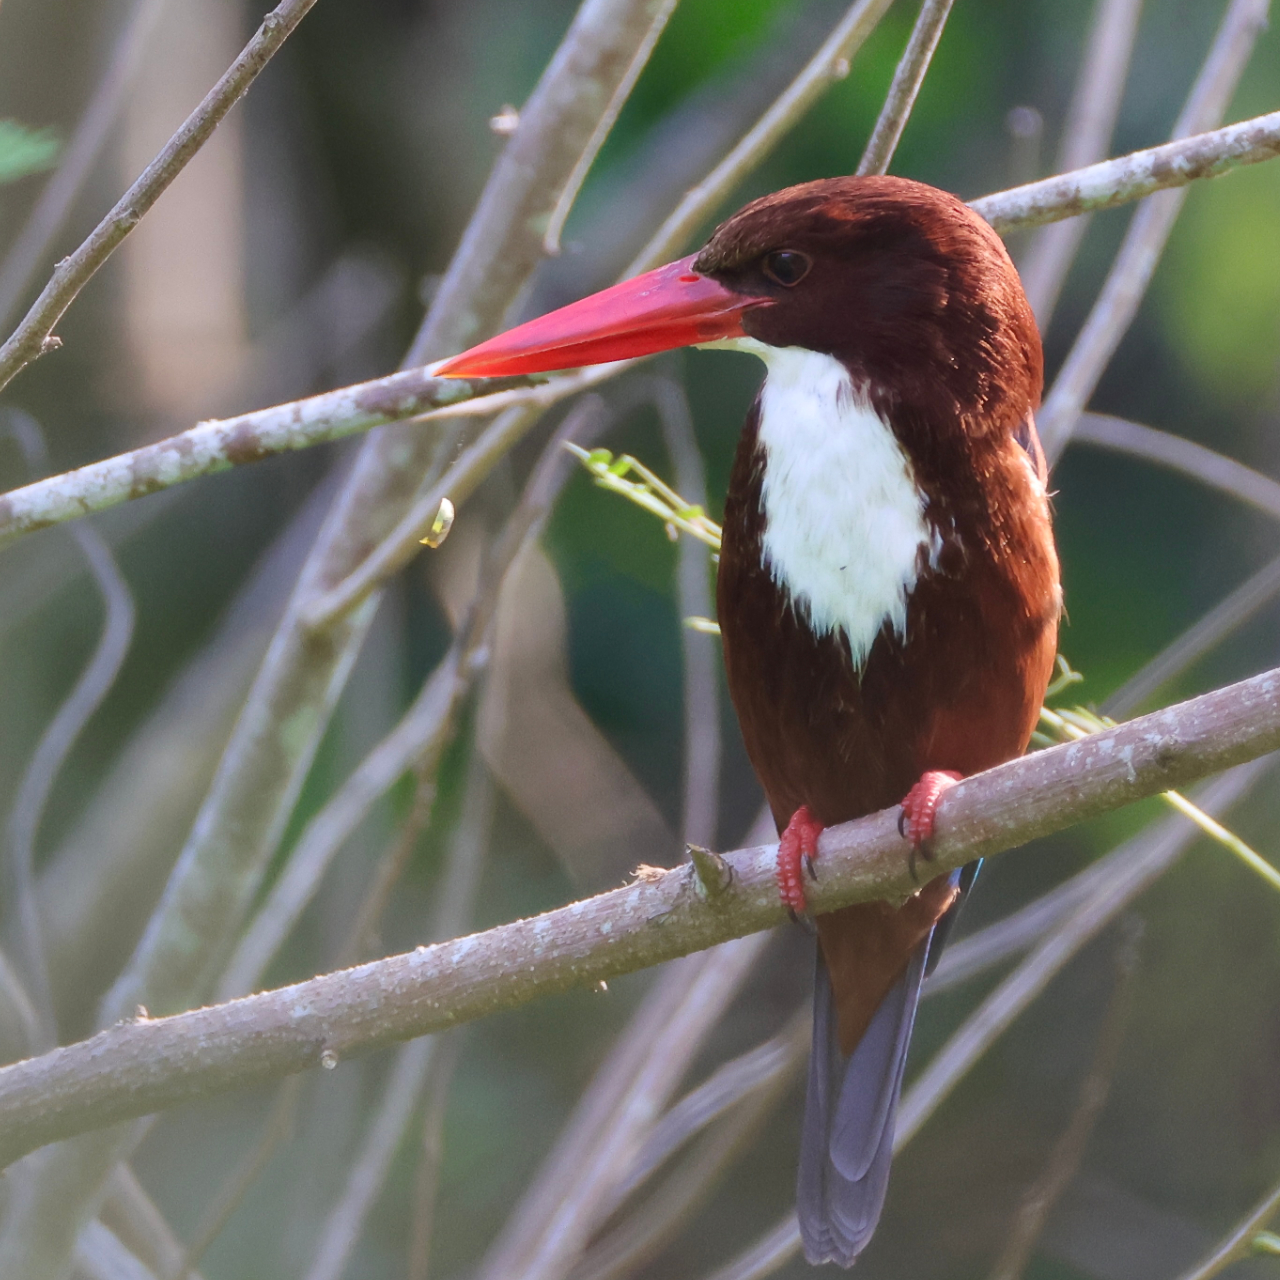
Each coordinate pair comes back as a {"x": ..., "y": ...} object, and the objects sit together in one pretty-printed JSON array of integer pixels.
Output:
[
  {"x": 25, "y": 151},
  {"x": 1073, "y": 723},
  {"x": 648, "y": 492}
]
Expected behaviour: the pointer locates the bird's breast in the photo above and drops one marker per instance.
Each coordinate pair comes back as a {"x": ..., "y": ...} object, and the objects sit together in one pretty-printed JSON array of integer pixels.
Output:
[{"x": 844, "y": 532}]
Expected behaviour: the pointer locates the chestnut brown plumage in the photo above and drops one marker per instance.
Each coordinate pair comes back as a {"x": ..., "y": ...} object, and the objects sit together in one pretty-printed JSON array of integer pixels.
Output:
[{"x": 892, "y": 312}]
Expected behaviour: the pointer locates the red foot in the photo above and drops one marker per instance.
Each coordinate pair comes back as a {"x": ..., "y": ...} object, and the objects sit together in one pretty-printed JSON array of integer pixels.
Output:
[
  {"x": 796, "y": 851},
  {"x": 915, "y": 822}
]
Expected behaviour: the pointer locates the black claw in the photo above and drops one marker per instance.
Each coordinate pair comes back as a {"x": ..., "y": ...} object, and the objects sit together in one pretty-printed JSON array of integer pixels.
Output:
[
  {"x": 911, "y": 863},
  {"x": 791, "y": 911},
  {"x": 902, "y": 822},
  {"x": 810, "y": 868}
]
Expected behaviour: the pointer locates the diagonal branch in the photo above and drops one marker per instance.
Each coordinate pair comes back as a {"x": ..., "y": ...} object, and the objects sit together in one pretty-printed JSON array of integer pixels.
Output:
[
  {"x": 1086, "y": 136},
  {"x": 215, "y": 446},
  {"x": 1148, "y": 231},
  {"x": 907, "y": 80},
  {"x": 34, "y": 336},
  {"x": 1133, "y": 176},
  {"x": 218, "y": 445},
  {"x": 143, "y": 1065}
]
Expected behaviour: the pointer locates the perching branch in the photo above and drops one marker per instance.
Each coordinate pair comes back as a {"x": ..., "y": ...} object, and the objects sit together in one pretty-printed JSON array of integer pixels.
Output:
[
  {"x": 34, "y": 336},
  {"x": 140, "y": 1066},
  {"x": 216, "y": 446}
]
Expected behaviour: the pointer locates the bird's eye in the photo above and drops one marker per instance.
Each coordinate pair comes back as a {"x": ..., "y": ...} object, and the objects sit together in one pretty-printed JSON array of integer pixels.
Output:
[{"x": 786, "y": 266}]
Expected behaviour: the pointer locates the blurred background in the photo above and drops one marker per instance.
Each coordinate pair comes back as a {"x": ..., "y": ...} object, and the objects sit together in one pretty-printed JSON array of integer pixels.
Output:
[{"x": 296, "y": 254}]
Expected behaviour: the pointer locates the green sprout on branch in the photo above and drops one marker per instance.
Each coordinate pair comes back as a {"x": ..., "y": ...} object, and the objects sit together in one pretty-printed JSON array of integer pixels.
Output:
[
  {"x": 1070, "y": 724},
  {"x": 653, "y": 494},
  {"x": 24, "y": 150}
]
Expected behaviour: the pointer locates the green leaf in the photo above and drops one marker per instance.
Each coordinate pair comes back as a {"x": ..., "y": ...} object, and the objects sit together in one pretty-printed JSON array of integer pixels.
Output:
[{"x": 24, "y": 151}]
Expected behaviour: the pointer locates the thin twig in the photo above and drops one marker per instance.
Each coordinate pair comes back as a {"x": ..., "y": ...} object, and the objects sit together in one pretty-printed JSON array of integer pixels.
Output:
[
  {"x": 700, "y": 653},
  {"x": 1182, "y": 455},
  {"x": 275, "y": 1130},
  {"x": 830, "y": 63},
  {"x": 768, "y": 1254},
  {"x": 426, "y": 1178},
  {"x": 907, "y": 80},
  {"x": 58, "y": 739},
  {"x": 1129, "y": 871},
  {"x": 34, "y": 336},
  {"x": 757, "y": 1069},
  {"x": 49, "y": 214},
  {"x": 144, "y": 1065},
  {"x": 132, "y": 1215},
  {"x": 1149, "y": 229},
  {"x": 391, "y": 866},
  {"x": 215, "y": 446},
  {"x": 420, "y": 736},
  {"x": 1086, "y": 137},
  {"x": 1134, "y": 176},
  {"x": 1197, "y": 640},
  {"x": 623, "y": 1075},
  {"x": 660, "y": 11},
  {"x": 560, "y": 129},
  {"x": 1068, "y": 1151},
  {"x": 1239, "y": 1243},
  {"x": 404, "y": 542},
  {"x": 709, "y": 985},
  {"x": 641, "y": 1235},
  {"x": 414, "y": 1063},
  {"x": 203, "y": 451}
]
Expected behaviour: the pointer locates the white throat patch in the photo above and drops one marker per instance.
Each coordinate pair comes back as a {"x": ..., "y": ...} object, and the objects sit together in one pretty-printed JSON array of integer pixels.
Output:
[{"x": 844, "y": 518}]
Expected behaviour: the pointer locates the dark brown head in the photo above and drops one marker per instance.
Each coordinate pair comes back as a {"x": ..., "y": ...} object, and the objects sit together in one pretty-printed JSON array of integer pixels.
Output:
[{"x": 901, "y": 282}]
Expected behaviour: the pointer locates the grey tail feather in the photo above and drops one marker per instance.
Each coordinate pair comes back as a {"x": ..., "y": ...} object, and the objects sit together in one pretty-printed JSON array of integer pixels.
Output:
[{"x": 846, "y": 1142}]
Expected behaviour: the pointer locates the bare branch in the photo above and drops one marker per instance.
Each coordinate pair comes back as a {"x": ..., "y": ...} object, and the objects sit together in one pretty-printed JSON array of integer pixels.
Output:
[
  {"x": 1144, "y": 241},
  {"x": 46, "y": 219},
  {"x": 1239, "y": 1244},
  {"x": 58, "y": 739},
  {"x": 700, "y": 652},
  {"x": 216, "y": 446},
  {"x": 561, "y": 127},
  {"x": 144, "y": 1065},
  {"x": 414, "y": 1062},
  {"x": 34, "y": 336},
  {"x": 1134, "y": 176},
  {"x": 757, "y": 1069},
  {"x": 831, "y": 62},
  {"x": 611, "y": 1096},
  {"x": 907, "y": 80},
  {"x": 1068, "y": 1151},
  {"x": 1128, "y": 871},
  {"x": 703, "y": 987},
  {"x": 421, "y": 734},
  {"x": 404, "y": 542},
  {"x": 1085, "y": 139},
  {"x": 1182, "y": 455},
  {"x": 204, "y": 451},
  {"x": 1198, "y": 639}
]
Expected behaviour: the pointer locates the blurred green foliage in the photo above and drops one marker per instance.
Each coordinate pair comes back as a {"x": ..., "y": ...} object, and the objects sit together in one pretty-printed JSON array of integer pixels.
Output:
[{"x": 24, "y": 150}]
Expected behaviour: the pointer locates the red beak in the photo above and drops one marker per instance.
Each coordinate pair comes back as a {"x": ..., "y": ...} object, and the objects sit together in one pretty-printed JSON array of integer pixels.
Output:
[{"x": 672, "y": 306}]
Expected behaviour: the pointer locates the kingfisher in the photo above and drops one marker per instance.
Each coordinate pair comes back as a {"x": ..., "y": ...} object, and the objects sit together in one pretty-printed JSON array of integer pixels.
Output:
[{"x": 888, "y": 588}]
